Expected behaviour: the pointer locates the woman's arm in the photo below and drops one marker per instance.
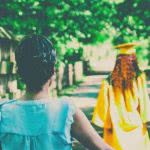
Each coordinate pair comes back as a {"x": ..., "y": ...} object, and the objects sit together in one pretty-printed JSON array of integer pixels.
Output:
[{"x": 83, "y": 131}]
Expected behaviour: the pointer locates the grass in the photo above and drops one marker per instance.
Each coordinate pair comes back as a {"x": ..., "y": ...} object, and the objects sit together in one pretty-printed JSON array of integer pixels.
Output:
[{"x": 67, "y": 91}]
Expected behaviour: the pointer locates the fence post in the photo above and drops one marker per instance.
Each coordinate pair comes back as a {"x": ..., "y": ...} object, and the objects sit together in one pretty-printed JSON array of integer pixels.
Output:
[{"x": 78, "y": 71}]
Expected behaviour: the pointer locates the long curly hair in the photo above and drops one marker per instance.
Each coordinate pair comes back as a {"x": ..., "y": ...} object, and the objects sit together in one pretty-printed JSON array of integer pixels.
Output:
[{"x": 126, "y": 69}]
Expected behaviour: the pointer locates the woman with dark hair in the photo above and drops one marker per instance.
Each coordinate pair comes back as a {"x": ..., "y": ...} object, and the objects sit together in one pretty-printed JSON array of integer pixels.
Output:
[{"x": 34, "y": 121}]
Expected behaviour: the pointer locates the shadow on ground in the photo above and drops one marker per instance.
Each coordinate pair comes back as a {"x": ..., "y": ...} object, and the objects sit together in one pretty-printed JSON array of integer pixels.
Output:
[{"x": 84, "y": 95}]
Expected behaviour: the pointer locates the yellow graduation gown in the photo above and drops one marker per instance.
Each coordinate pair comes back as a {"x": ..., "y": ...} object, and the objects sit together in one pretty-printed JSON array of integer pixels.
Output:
[{"x": 123, "y": 115}]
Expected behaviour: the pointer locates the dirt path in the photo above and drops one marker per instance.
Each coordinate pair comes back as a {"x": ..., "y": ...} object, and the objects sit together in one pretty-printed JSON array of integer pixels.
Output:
[{"x": 85, "y": 95}]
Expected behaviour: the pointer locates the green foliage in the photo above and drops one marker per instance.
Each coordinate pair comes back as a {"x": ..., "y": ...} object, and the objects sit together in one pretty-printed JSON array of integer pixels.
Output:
[
  {"x": 131, "y": 23},
  {"x": 81, "y": 19},
  {"x": 72, "y": 55},
  {"x": 58, "y": 20},
  {"x": 87, "y": 21},
  {"x": 131, "y": 20}
]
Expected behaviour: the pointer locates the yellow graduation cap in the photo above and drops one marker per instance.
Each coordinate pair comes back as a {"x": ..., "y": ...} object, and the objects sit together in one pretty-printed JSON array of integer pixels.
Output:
[{"x": 127, "y": 48}]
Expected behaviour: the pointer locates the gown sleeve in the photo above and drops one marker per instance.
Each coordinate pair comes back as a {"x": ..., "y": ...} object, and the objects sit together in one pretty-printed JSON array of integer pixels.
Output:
[
  {"x": 144, "y": 101},
  {"x": 101, "y": 113}
]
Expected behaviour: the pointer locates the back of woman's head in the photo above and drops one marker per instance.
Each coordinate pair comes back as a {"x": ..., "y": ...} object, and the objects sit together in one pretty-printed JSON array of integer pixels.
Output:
[
  {"x": 125, "y": 71},
  {"x": 35, "y": 57}
]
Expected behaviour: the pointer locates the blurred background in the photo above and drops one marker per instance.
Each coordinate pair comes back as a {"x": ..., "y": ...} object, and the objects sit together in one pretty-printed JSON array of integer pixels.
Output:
[{"x": 83, "y": 32}]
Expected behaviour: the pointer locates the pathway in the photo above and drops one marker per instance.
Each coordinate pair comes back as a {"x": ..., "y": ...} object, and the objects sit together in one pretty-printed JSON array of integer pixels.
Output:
[{"x": 85, "y": 95}]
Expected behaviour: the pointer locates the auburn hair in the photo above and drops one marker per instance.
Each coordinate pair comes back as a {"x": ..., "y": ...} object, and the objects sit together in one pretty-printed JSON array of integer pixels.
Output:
[{"x": 126, "y": 69}]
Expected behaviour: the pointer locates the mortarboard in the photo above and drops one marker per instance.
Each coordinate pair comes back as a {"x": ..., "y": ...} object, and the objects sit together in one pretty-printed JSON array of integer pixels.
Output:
[{"x": 127, "y": 48}]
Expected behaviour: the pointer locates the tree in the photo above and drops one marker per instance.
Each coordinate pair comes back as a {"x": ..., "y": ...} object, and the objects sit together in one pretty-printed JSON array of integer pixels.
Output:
[
  {"x": 131, "y": 20},
  {"x": 61, "y": 21},
  {"x": 131, "y": 23}
]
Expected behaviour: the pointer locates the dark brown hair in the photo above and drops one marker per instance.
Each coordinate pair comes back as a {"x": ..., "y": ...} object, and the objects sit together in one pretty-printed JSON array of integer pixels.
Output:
[{"x": 35, "y": 57}]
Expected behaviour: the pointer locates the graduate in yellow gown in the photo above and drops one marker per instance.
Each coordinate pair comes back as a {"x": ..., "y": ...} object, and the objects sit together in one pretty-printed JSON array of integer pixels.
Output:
[{"x": 123, "y": 106}]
